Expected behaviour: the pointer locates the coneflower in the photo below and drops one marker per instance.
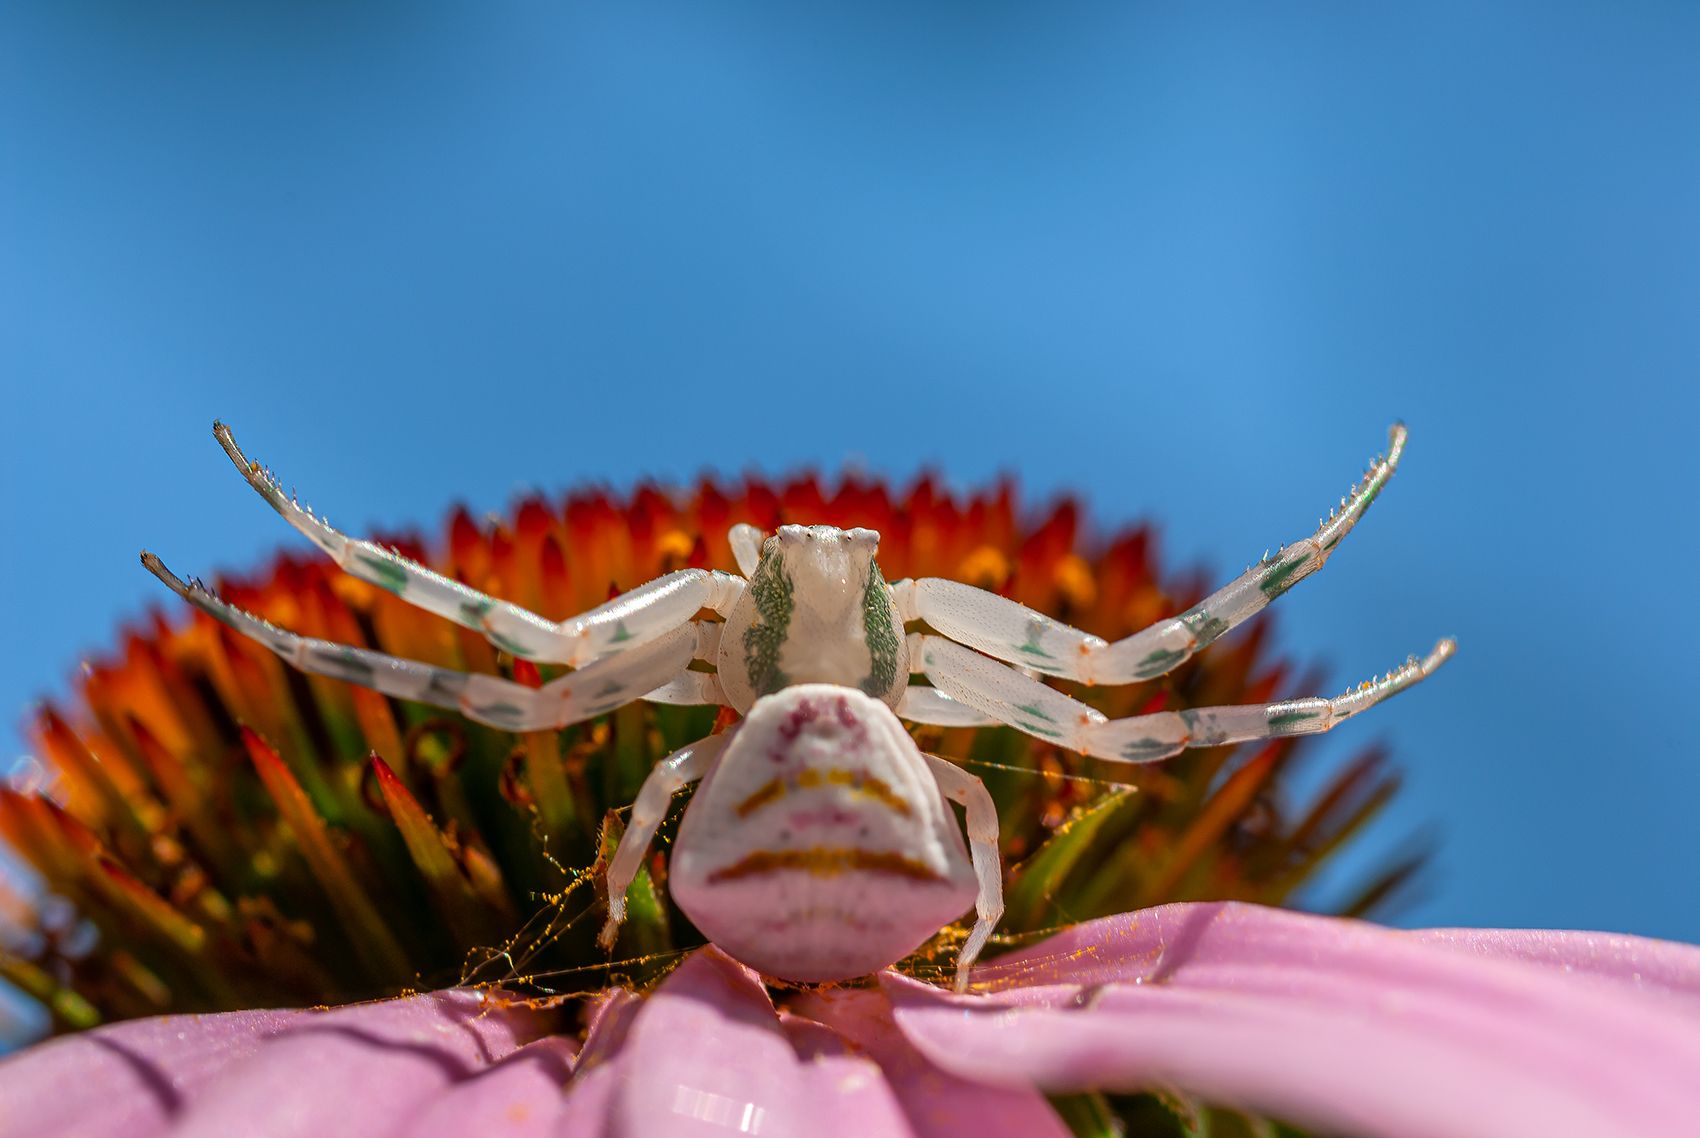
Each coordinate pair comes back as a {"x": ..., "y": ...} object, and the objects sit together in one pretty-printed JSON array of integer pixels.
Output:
[{"x": 215, "y": 832}]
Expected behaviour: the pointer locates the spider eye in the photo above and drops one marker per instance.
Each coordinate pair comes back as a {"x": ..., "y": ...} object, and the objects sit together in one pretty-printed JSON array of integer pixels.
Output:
[{"x": 863, "y": 537}]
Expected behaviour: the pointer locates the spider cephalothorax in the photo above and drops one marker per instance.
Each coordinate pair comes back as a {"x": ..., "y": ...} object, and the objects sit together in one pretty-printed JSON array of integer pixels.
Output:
[
  {"x": 817, "y": 610},
  {"x": 821, "y": 844}
]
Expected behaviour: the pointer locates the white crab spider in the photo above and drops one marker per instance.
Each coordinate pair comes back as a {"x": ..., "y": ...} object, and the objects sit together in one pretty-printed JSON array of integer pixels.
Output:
[{"x": 820, "y": 845}]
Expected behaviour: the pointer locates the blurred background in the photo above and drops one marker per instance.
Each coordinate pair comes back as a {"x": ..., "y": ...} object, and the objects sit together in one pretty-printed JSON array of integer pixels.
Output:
[{"x": 1188, "y": 262}]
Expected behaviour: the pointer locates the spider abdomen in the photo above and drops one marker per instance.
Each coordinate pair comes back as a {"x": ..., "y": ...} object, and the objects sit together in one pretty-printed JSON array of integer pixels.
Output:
[{"x": 819, "y": 847}]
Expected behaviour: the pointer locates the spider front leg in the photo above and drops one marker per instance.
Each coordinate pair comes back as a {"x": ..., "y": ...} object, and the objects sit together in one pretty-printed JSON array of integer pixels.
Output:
[
  {"x": 1012, "y": 632},
  {"x": 935, "y": 707},
  {"x": 746, "y": 540},
  {"x": 642, "y": 614},
  {"x": 686, "y": 765},
  {"x": 592, "y": 690},
  {"x": 1024, "y": 703},
  {"x": 982, "y": 817}
]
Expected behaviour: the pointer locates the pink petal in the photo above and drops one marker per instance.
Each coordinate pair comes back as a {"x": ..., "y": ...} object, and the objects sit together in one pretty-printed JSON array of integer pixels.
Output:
[
  {"x": 522, "y": 1096},
  {"x": 1335, "y": 1024},
  {"x": 938, "y": 1104},
  {"x": 596, "y": 1073},
  {"x": 361, "y": 1070},
  {"x": 706, "y": 1054},
  {"x": 1656, "y": 967},
  {"x": 143, "y": 1071},
  {"x": 856, "y": 1080},
  {"x": 589, "y": 1106}
]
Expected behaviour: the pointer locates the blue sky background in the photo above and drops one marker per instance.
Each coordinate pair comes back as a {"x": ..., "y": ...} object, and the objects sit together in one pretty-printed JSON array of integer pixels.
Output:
[{"x": 1188, "y": 260}]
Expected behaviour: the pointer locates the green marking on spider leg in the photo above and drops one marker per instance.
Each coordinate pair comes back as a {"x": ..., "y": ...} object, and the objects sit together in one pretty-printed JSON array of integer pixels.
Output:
[
  {"x": 1372, "y": 488},
  {"x": 1199, "y": 735},
  {"x": 345, "y": 664},
  {"x": 444, "y": 688},
  {"x": 1036, "y": 711},
  {"x": 502, "y": 714},
  {"x": 774, "y": 595},
  {"x": 1284, "y": 719},
  {"x": 1281, "y": 577},
  {"x": 475, "y": 612},
  {"x": 1376, "y": 486},
  {"x": 621, "y": 633},
  {"x": 881, "y": 629},
  {"x": 511, "y": 647},
  {"x": 1035, "y": 629},
  {"x": 1145, "y": 750},
  {"x": 604, "y": 706},
  {"x": 1365, "y": 496},
  {"x": 386, "y": 574},
  {"x": 1158, "y": 662},
  {"x": 1037, "y": 729},
  {"x": 1204, "y": 625}
]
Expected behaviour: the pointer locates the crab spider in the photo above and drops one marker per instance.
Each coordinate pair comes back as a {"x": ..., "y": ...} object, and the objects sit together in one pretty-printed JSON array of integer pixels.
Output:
[{"x": 820, "y": 845}]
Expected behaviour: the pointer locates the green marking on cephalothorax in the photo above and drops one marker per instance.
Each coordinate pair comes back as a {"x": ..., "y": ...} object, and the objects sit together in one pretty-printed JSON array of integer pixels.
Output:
[
  {"x": 774, "y": 596},
  {"x": 386, "y": 573},
  {"x": 881, "y": 629}
]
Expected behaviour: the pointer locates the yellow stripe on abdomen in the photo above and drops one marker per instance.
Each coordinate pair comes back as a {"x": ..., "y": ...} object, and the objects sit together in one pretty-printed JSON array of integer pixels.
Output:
[{"x": 862, "y": 783}]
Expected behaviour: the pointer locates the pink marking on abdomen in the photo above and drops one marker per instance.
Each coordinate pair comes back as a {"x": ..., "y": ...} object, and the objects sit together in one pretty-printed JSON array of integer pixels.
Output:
[
  {"x": 825, "y": 816},
  {"x": 851, "y": 721},
  {"x": 804, "y": 713}
]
